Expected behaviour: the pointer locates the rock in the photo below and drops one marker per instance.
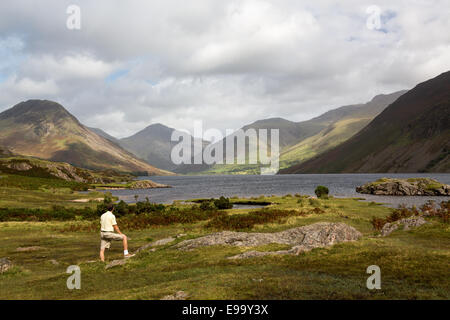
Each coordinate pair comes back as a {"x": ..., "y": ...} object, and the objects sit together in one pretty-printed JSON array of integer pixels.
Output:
[
  {"x": 301, "y": 239},
  {"x": 163, "y": 241},
  {"x": 408, "y": 223},
  {"x": 155, "y": 244},
  {"x": 54, "y": 262},
  {"x": 146, "y": 184},
  {"x": 29, "y": 249},
  {"x": 405, "y": 187},
  {"x": 5, "y": 264},
  {"x": 59, "y": 170},
  {"x": 180, "y": 295},
  {"x": 116, "y": 263}
]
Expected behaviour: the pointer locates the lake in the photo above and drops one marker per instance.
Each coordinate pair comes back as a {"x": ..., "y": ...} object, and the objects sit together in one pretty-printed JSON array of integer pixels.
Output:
[{"x": 340, "y": 185}]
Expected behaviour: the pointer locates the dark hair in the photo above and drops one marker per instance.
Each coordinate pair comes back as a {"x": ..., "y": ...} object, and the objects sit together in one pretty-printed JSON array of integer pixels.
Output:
[{"x": 110, "y": 207}]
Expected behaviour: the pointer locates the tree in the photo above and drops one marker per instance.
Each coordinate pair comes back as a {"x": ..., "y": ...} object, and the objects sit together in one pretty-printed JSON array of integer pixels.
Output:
[{"x": 321, "y": 192}]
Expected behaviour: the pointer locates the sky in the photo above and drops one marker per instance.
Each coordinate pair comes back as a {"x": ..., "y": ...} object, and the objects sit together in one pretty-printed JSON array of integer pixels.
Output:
[{"x": 228, "y": 63}]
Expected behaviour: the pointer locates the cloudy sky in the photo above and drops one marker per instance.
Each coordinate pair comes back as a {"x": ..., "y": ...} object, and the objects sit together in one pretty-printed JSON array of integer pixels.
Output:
[{"x": 228, "y": 63}]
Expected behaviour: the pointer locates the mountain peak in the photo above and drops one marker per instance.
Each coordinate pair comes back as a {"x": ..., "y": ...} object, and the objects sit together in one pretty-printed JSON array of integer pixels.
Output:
[
  {"x": 36, "y": 111},
  {"x": 382, "y": 97}
]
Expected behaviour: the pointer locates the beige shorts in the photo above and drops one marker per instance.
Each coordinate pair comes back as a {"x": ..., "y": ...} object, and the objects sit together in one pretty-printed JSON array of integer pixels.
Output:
[{"x": 107, "y": 237}]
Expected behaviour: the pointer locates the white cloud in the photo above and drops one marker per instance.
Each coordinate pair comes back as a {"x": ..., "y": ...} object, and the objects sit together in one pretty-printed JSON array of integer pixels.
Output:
[{"x": 227, "y": 62}]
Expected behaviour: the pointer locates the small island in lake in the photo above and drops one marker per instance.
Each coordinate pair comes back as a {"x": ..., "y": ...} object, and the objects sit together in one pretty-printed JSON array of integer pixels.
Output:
[
  {"x": 137, "y": 184},
  {"x": 405, "y": 187}
]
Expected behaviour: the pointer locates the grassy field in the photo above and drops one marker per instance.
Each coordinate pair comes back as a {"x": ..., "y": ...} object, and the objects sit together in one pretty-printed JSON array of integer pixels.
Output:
[
  {"x": 414, "y": 264},
  {"x": 32, "y": 192}
]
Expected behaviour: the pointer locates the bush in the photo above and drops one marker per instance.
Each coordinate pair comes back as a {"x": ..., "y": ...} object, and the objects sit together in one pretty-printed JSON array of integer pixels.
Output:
[
  {"x": 247, "y": 221},
  {"x": 207, "y": 206},
  {"x": 171, "y": 215},
  {"x": 321, "y": 192},
  {"x": 442, "y": 212},
  {"x": 223, "y": 203},
  {"x": 56, "y": 213}
]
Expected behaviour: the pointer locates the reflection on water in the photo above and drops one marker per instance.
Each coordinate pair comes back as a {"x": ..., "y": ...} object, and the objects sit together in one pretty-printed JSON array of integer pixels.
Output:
[{"x": 340, "y": 185}]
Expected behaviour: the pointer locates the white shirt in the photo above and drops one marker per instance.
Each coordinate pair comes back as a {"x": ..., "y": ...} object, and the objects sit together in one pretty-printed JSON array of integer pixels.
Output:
[{"x": 107, "y": 221}]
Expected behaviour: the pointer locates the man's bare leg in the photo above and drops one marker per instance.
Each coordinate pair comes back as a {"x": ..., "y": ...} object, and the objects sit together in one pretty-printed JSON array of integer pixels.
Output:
[
  {"x": 125, "y": 248},
  {"x": 102, "y": 255},
  {"x": 125, "y": 242}
]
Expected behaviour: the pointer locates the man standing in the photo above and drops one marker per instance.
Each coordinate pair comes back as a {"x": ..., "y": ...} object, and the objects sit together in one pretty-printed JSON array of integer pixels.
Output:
[{"x": 108, "y": 226}]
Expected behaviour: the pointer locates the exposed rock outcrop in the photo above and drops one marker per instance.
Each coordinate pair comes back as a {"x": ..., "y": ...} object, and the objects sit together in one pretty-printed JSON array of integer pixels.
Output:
[
  {"x": 115, "y": 263},
  {"x": 160, "y": 242},
  {"x": 301, "y": 239},
  {"x": 29, "y": 249},
  {"x": 60, "y": 170},
  {"x": 405, "y": 187},
  {"x": 5, "y": 264},
  {"x": 146, "y": 184},
  {"x": 180, "y": 295},
  {"x": 407, "y": 223}
]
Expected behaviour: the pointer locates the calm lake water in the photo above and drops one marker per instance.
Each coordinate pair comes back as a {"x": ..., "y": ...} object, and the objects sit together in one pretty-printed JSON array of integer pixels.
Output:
[{"x": 340, "y": 185}]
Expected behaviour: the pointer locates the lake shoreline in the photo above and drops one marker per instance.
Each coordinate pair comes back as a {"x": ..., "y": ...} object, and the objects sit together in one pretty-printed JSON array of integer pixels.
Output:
[{"x": 248, "y": 186}]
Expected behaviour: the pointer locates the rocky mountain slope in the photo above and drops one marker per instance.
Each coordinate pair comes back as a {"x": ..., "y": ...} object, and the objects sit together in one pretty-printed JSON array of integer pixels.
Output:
[
  {"x": 45, "y": 129},
  {"x": 411, "y": 135},
  {"x": 344, "y": 123},
  {"x": 32, "y": 167},
  {"x": 154, "y": 145},
  {"x": 300, "y": 141}
]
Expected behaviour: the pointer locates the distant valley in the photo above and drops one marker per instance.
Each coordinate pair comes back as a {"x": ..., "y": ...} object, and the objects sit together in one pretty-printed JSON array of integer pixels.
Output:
[{"x": 405, "y": 131}]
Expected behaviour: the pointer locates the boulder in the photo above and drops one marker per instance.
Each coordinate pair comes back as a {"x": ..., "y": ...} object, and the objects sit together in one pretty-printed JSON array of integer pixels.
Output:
[
  {"x": 301, "y": 239},
  {"x": 180, "y": 295},
  {"x": 407, "y": 223},
  {"x": 151, "y": 245},
  {"x": 116, "y": 263},
  {"x": 29, "y": 249},
  {"x": 5, "y": 264},
  {"x": 405, "y": 187}
]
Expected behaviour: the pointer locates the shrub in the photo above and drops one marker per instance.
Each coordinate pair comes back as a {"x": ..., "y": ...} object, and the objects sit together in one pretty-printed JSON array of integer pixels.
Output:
[
  {"x": 441, "y": 212},
  {"x": 172, "y": 215},
  {"x": 247, "y": 221},
  {"x": 207, "y": 205},
  {"x": 321, "y": 192},
  {"x": 223, "y": 203}
]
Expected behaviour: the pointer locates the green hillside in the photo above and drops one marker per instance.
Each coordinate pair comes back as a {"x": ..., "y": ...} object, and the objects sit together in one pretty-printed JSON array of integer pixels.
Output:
[
  {"x": 300, "y": 141},
  {"x": 46, "y": 130},
  {"x": 411, "y": 135}
]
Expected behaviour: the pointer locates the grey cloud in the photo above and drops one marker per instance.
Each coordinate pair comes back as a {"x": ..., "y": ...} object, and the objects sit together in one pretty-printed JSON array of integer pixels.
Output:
[{"x": 226, "y": 62}]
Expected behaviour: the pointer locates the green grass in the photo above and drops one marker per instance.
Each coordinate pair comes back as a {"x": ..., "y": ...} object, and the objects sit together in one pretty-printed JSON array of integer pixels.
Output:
[
  {"x": 33, "y": 192},
  {"x": 414, "y": 264}
]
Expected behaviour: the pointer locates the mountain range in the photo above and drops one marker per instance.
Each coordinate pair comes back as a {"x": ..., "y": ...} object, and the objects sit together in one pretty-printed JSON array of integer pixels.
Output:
[
  {"x": 46, "y": 130},
  {"x": 300, "y": 141},
  {"x": 405, "y": 131},
  {"x": 411, "y": 135}
]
